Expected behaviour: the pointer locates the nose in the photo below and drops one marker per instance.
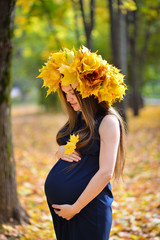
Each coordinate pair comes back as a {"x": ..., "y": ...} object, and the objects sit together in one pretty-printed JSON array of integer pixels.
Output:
[{"x": 69, "y": 98}]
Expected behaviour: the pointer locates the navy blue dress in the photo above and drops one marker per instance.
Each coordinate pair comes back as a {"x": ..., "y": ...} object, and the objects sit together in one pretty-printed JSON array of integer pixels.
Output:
[{"x": 94, "y": 221}]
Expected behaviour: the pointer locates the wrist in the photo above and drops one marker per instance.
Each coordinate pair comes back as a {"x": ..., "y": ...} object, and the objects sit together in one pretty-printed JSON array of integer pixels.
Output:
[{"x": 77, "y": 206}]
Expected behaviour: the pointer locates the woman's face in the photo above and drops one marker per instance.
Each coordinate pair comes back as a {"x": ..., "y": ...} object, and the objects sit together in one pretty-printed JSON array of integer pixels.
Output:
[{"x": 71, "y": 97}]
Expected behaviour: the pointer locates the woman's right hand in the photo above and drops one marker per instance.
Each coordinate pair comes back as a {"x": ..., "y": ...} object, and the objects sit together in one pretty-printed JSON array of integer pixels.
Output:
[{"x": 70, "y": 158}]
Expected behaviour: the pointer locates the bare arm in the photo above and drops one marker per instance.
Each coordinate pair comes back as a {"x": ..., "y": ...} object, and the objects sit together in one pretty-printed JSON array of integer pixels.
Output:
[{"x": 109, "y": 131}]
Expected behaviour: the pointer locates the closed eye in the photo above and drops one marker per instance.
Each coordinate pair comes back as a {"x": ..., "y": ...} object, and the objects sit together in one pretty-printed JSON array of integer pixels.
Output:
[{"x": 72, "y": 93}]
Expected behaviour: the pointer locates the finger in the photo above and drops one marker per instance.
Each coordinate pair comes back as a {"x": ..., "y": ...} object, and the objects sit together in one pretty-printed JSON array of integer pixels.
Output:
[
  {"x": 56, "y": 212},
  {"x": 56, "y": 206},
  {"x": 76, "y": 153},
  {"x": 71, "y": 158},
  {"x": 76, "y": 156},
  {"x": 67, "y": 159}
]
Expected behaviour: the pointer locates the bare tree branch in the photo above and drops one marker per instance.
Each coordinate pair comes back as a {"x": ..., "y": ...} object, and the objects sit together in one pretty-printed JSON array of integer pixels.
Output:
[{"x": 88, "y": 25}]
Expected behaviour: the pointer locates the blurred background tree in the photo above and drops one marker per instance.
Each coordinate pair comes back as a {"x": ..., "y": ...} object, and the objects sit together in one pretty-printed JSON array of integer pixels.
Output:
[
  {"x": 142, "y": 26},
  {"x": 10, "y": 207},
  {"x": 124, "y": 32}
]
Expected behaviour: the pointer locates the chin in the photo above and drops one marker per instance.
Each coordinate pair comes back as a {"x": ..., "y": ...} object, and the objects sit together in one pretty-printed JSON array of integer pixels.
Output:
[{"x": 76, "y": 109}]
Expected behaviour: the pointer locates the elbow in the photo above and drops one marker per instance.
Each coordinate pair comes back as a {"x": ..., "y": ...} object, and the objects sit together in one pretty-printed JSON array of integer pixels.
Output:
[{"x": 106, "y": 174}]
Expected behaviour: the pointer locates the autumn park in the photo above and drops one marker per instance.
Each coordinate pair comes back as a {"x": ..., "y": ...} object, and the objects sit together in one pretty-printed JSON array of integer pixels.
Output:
[{"x": 126, "y": 34}]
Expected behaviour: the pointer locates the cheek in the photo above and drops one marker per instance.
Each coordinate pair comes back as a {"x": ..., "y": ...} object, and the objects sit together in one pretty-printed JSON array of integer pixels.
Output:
[{"x": 75, "y": 99}]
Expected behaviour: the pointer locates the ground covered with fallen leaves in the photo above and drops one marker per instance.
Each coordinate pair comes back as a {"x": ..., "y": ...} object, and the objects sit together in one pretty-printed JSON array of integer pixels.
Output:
[{"x": 136, "y": 207}]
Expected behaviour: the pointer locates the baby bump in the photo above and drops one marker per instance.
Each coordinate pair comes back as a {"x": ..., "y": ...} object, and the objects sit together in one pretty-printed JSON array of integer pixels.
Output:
[{"x": 65, "y": 186}]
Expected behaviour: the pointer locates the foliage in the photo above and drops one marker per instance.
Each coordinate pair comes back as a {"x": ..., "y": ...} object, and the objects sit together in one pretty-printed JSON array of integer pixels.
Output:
[
  {"x": 136, "y": 200},
  {"x": 128, "y": 5}
]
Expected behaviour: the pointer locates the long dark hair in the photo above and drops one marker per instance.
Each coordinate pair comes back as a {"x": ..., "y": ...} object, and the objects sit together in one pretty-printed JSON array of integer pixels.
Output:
[{"x": 89, "y": 108}]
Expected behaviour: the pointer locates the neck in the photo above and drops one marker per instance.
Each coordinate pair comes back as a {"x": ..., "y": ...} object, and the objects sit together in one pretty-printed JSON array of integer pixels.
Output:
[{"x": 81, "y": 115}]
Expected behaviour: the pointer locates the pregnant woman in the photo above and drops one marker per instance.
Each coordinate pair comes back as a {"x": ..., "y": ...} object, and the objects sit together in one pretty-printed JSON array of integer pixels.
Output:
[{"x": 91, "y": 144}]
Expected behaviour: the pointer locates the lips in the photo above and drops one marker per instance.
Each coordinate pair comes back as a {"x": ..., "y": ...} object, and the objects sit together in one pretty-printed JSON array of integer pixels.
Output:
[{"x": 73, "y": 104}]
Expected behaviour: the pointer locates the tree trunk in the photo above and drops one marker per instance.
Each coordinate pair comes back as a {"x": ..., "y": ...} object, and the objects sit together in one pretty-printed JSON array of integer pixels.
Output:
[
  {"x": 88, "y": 24},
  {"x": 10, "y": 209},
  {"x": 135, "y": 95},
  {"x": 142, "y": 63},
  {"x": 119, "y": 47},
  {"x": 115, "y": 36},
  {"x": 143, "y": 56}
]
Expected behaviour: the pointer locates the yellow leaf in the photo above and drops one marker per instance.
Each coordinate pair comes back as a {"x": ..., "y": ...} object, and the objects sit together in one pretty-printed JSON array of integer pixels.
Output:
[
  {"x": 69, "y": 75},
  {"x": 71, "y": 145}
]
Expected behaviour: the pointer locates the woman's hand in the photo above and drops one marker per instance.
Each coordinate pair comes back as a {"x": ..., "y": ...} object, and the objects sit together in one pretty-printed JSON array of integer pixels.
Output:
[
  {"x": 70, "y": 158},
  {"x": 65, "y": 210}
]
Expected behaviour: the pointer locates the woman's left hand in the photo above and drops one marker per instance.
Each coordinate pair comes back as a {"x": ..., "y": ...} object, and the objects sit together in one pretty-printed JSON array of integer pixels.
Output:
[{"x": 65, "y": 211}]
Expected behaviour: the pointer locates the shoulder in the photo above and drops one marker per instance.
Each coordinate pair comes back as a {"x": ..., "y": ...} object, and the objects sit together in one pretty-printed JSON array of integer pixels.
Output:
[
  {"x": 109, "y": 126},
  {"x": 109, "y": 121}
]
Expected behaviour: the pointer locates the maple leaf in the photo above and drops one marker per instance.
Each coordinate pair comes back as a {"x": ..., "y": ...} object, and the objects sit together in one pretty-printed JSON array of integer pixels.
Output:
[
  {"x": 69, "y": 73},
  {"x": 71, "y": 145},
  {"x": 50, "y": 72}
]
